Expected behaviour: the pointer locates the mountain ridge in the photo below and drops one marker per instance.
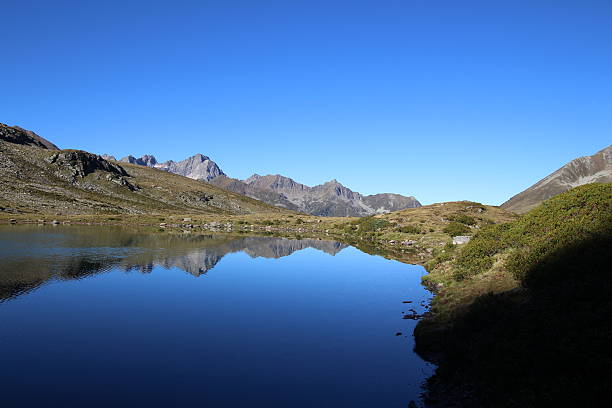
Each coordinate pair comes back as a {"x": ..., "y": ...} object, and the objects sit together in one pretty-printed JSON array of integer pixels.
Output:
[
  {"x": 596, "y": 168},
  {"x": 328, "y": 199}
]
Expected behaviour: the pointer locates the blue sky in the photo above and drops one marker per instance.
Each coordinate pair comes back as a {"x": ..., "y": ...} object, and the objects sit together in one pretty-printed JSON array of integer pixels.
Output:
[{"x": 444, "y": 100}]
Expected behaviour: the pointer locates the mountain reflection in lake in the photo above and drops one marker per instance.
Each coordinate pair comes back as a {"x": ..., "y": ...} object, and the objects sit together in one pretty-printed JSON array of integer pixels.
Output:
[{"x": 95, "y": 316}]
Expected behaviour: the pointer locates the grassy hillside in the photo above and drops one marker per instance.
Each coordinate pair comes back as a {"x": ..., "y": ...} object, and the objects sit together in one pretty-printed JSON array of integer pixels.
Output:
[
  {"x": 523, "y": 314},
  {"x": 422, "y": 231},
  {"x": 36, "y": 181}
]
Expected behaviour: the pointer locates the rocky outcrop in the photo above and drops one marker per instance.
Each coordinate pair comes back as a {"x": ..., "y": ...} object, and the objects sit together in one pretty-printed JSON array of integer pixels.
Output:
[
  {"x": 75, "y": 164},
  {"x": 583, "y": 170},
  {"x": 81, "y": 163},
  {"x": 17, "y": 135}
]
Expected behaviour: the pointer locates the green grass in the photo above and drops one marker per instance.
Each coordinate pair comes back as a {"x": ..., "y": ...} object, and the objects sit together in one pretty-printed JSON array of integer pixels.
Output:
[
  {"x": 369, "y": 224},
  {"x": 454, "y": 228},
  {"x": 562, "y": 221},
  {"x": 409, "y": 229},
  {"x": 524, "y": 314},
  {"x": 462, "y": 219}
]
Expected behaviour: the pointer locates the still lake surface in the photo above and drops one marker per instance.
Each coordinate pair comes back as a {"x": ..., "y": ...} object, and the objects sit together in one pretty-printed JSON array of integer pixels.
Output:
[{"x": 93, "y": 316}]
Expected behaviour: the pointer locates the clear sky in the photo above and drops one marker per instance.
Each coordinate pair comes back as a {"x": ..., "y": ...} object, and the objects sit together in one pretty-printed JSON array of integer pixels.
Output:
[{"x": 444, "y": 100}]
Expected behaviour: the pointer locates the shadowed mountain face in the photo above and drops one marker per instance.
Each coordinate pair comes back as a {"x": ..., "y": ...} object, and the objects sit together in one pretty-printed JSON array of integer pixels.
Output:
[
  {"x": 583, "y": 170},
  {"x": 17, "y": 135},
  {"x": 328, "y": 199},
  {"x": 51, "y": 255}
]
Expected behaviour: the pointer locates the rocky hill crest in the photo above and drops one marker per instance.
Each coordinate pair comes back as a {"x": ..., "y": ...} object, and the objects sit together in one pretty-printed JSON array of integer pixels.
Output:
[
  {"x": 17, "y": 135},
  {"x": 583, "y": 170}
]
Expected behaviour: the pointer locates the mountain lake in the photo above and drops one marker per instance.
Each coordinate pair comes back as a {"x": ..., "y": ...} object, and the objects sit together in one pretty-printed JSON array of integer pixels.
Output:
[{"x": 108, "y": 316}]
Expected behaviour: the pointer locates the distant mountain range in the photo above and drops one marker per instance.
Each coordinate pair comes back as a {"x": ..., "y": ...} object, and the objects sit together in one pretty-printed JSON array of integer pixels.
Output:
[
  {"x": 36, "y": 177},
  {"x": 328, "y": 199},
  {"x": 583, "y": 170}
]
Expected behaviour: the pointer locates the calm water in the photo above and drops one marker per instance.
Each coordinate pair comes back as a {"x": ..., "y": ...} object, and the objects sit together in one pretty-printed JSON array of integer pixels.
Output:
[{"x": 105, "y": 317}]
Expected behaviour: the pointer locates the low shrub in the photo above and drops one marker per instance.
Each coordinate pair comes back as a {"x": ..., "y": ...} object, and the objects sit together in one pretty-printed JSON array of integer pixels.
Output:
[
  {"x": 454, "y": 228},
  {"x": 366, "y": 224},
  {"x": 462, "y": 219},
  {"x": 409, "y": 229},
  {"x": 533, "y": 240}
]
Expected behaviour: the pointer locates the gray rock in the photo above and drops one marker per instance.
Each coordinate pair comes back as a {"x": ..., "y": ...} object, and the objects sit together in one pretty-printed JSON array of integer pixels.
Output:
[
  {"x": 461, "y": 239},
  {"x": 82, "y": 163}
]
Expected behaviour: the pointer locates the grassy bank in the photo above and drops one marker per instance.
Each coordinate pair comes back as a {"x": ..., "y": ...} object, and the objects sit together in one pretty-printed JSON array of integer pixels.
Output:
[{"x": 523, "y": 315}]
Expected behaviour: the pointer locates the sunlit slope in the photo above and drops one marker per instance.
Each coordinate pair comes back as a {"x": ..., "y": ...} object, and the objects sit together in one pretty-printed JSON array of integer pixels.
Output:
[{"x": 36, "y": 180}]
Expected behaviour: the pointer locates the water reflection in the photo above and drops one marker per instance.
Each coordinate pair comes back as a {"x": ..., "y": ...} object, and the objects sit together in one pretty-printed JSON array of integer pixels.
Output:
[
  {"x": 33, "y": 255},
  {"x": 300, "y": 331}
]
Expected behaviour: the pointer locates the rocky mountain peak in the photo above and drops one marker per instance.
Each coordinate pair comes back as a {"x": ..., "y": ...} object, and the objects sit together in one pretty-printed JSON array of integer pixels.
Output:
[
  {"x": 277, "y": 183},
  {"x": 252, "y": 179},
  {"x": 128, "y": 159},
  {"x": 149, "y": 160},
  {"x": 197, "y": 167},
  {"x": 200, "y": 157},
  {"x": 146, "y": 160},
  {"x": 339, "y": 190}
]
